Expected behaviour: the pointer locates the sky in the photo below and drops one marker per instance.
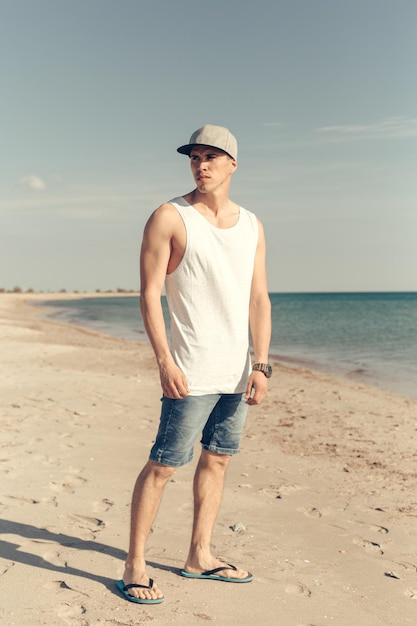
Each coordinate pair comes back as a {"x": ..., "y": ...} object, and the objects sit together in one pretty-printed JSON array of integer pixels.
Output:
[{"x": 96, "y": 95}]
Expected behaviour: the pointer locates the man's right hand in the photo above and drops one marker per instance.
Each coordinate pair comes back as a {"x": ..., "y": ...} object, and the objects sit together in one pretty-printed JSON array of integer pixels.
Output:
[{"x": 173, "y": 381}]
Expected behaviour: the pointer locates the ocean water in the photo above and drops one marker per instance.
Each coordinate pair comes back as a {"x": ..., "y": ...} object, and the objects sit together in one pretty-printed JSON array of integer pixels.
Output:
[{"x": 370, "y": 337}]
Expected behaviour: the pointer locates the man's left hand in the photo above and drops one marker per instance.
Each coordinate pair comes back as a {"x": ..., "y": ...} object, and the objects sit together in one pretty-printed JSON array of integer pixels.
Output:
[{"x": 256, "y": 388}]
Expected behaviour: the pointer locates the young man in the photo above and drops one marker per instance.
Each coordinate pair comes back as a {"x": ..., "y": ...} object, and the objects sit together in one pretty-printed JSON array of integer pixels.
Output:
[{"x": 210, "y": 255}]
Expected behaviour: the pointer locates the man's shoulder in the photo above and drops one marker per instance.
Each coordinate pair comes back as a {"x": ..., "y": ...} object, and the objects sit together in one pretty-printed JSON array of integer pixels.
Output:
[
  {"x": 165, "y": 210},
  {"x": 165, "y": 219},
  {"x": 171, "y": 206}
]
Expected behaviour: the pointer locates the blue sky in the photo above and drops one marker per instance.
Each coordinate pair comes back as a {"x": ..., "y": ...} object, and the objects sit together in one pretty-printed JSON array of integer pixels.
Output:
[{"x": 98, "y": 94}]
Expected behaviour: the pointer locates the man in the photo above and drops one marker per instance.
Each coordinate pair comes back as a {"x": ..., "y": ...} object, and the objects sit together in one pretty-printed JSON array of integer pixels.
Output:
[{"x": 210, "y": 255}]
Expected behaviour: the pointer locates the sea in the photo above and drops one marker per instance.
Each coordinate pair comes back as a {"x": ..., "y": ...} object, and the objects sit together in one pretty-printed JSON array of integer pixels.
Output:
[{"x": 368, "y": 337}]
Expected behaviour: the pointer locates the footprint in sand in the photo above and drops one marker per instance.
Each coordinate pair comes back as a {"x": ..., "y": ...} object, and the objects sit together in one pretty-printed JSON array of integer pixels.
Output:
[
  {"x": 403, "y": 569},
  {"x": 203, "y": 616},
  {"x": 68, "y": 486},
  {"x": 310, "y": 512},
  {"x": 66, "y": 609},
  {"x": 154, "y": 551},
  {"x": 66, "y": 446},
  {"x": 286, "y": 488},
  {"x": 23, "y": 500},
  {"x": 102, "y": 506},
  {"x": 92, "y": 521},
  {"x": 298, "y": 589},
  {"x": 379, "y": 529},
  {"x": 407, "y": 566},
  {"x": 46, "y": 460},
  {"x": 56, "y": 585},
  {"x": 277, "y": 491},
  {"x": 375, "y": 528},
  {"x": 55, "y": 558},
  {"x": 92, "y": 524},
  {"x": 3, "y": 468},
  {"x": 75, "y": 477},
  {"x": 4, "y": 567},
  {"x": 370, "y": 546},
  {"x": 69, "y": 610},
  {"x": 53, "y": 501}
]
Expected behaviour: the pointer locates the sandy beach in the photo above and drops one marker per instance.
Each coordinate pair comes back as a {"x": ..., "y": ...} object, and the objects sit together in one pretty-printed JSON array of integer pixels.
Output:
[{"x": 320, "y": 505}]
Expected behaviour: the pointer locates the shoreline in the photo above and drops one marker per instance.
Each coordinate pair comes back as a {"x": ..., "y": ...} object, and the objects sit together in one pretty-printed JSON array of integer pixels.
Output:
[
  {"x": 359, "y": 375},
  {"x": 324, "y": 485}
]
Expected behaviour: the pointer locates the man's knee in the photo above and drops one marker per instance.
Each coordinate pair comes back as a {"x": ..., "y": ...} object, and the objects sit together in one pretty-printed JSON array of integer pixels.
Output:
[
  {"x": 159, "y": 472},
  {"x": 214, "y": 459}
]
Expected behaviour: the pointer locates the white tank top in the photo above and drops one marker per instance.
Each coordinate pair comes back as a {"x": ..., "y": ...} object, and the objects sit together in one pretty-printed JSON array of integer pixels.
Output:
[{"x": 208, "y": 298}]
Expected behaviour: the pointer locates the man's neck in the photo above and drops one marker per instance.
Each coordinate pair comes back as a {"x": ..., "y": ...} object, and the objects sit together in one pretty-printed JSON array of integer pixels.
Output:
[
  {"x": 214, "y": 202},
  {"x": 221, "y": 212}
]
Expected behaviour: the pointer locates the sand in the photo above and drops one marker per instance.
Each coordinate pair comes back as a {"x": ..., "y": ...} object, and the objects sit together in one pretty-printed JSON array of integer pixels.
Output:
[{"x": 324, "y": 492}]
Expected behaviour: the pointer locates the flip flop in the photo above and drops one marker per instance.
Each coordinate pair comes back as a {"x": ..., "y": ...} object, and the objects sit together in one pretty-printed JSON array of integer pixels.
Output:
[
  {"x": 211, "y": 574},
  {"x": 124, "y": 591}
]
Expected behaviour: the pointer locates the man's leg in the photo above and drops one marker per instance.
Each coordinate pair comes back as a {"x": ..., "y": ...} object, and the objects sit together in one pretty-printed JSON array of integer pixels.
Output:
[
  {"x": 208, "y": 490},
  {"x": 180, "y": 423},
  {"x": 146, "y": 498}
]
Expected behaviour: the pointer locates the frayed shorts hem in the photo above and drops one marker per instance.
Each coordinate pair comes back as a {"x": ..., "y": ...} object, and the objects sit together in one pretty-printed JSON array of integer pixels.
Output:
[
  {"x": 214, "y": 449},
  {"x": 169, "y": 463},
  {"x": 218, "y": 450}
]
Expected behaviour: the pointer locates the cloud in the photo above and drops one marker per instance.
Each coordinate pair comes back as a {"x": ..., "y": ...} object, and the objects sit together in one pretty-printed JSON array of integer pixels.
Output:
[
  {"x": 391, "y": 128},
  {"x": 32, "y": 183},
  {"x": 120, "y": 206}
]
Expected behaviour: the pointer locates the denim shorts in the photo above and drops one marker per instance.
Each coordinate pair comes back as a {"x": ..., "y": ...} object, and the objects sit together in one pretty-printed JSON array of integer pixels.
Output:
[{"x": 219, "y": 417}]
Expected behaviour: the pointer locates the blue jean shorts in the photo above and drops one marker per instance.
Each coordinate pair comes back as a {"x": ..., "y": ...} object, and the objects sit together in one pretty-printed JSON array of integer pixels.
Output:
[{"x": 219, "y": 417}]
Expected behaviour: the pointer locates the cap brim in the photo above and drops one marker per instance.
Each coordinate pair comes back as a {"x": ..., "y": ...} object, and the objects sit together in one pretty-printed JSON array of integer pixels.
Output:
[
  {"x": 189, "y": 146},
  {"x": 186, "y": 149}
]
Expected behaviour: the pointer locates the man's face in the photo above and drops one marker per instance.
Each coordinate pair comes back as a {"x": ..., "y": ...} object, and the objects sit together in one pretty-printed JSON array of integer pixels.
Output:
[{"x": 210, "y": 167}]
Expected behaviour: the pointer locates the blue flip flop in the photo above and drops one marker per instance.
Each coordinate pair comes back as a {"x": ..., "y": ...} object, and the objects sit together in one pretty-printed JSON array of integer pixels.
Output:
[
  {"x": 212, "y": 574},
  {"x": 124, "y": 591}
]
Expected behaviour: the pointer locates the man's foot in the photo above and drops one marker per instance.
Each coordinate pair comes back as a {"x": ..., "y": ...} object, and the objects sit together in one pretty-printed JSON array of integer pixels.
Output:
[
  {"x": 126, "y": 590},
  {"x": 144, "y": 589},
  {"x": 225, "y": 572}
]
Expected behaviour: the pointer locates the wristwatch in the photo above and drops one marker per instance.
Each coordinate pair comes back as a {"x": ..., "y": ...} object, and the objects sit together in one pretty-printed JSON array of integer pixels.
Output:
[{"x": 265, "y": 368}]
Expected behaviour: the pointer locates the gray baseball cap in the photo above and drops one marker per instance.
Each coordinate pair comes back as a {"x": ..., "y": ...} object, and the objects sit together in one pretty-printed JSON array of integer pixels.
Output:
[{"x": 213, "y": 136}]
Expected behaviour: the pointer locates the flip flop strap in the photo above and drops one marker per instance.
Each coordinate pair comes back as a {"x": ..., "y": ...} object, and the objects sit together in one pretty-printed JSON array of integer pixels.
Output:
[
  {"x": 134, "y": 585},
  {"x": 219, "y": 569}
]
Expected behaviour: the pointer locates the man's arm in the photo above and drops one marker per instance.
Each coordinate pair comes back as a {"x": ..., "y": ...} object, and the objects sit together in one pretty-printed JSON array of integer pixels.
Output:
[
  {"x": 154, "y": 260},
  {"x": 260, "y": 322}
]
